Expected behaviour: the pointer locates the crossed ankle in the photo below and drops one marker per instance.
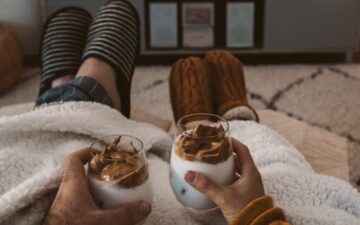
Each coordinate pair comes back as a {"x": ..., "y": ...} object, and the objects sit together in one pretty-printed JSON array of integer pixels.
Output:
[
  {"x": 105, "y": 75},
  {"x": 62, "y": 80}
]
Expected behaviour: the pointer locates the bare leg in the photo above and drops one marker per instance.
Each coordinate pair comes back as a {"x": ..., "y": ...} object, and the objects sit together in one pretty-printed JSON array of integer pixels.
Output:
[
  {"x": 116, "y": 79},
  {"x": 62, "y": 80},
  {"x": 104, "y": 74},
  {"x": 99, "y": 71}
]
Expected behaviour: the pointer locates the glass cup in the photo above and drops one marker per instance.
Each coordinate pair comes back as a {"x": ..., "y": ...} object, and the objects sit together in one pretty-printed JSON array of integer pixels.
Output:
[
  {"x": 202, "y": 143},
  {"x": 118, "y": 172}
]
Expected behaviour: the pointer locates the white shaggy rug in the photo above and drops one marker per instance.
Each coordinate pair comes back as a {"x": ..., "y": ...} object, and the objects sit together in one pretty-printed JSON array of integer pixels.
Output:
[{"x": 327, "y": 96}]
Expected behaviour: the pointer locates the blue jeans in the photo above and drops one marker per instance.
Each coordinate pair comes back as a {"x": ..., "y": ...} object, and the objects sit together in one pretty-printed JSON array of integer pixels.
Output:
[{"x": 80, "y": 89}]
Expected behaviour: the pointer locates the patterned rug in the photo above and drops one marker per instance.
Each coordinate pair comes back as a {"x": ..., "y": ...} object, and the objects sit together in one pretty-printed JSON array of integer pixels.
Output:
[{"x": 326, "y": 96}]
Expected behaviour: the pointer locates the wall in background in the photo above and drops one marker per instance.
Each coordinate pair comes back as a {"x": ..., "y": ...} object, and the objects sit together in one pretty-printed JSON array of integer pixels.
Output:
[
  {"x": 90, "y": 5},
  {"x": 25, "y": 18},
  {"x": 287, "y": 29},
  {"x": 311, "y": 25}
]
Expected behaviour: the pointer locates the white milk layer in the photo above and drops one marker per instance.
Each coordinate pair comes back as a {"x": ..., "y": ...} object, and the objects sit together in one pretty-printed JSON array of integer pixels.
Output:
[
  {"x": 222, "y": 173},
  {"x": 109, "y": 196}
]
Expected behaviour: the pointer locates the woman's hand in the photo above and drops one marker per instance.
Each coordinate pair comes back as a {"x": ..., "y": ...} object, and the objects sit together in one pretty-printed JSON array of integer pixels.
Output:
[
  {"x": 232, "y": 199},
  {"x": 74, "y": 205}
]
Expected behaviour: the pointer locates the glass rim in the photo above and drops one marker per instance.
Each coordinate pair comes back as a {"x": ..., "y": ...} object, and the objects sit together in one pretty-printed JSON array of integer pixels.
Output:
[
  {"x": 98, "y": 140},
  {"x": 181, "y": 131}
]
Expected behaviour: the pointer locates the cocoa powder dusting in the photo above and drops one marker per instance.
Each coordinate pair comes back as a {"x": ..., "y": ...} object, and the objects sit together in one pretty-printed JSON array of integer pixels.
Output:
[
  {"x": 125, "y": 167},
  {"x": 204, "y": 143}
]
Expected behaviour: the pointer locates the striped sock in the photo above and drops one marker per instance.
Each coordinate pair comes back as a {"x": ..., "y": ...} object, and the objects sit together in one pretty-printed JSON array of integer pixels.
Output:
[
  {"x": 114, "y": 38},
  {"x": 64, "y": 39}
]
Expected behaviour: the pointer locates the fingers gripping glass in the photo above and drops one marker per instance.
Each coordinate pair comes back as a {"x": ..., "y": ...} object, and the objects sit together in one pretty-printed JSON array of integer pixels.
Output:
[
  {"x": 118, "y": 172},
  {"x": 202, "y": 143}
]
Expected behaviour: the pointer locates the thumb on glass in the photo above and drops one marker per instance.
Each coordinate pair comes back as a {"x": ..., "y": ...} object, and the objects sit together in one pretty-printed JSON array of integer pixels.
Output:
[{"x": 204, "y": 185}]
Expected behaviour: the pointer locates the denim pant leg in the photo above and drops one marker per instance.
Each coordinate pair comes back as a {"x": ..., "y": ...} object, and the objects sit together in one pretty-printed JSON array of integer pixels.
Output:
[{"x": 81, "y": 89}]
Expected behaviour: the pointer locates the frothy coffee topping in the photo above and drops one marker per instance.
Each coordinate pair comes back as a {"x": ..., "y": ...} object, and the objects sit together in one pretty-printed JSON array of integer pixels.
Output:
[
  {"x": 204, "y": 143},
  {"x": 125, "y": 167}
]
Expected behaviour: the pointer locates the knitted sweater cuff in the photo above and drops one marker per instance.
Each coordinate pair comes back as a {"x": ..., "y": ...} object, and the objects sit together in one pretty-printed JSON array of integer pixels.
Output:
[{"x": 260, "y": 211}]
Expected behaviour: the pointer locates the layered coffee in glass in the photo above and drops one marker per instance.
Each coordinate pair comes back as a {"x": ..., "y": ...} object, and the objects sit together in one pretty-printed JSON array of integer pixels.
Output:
[
  {"x": 202, "y": 143},
  {"x": 118, "y": 171}
]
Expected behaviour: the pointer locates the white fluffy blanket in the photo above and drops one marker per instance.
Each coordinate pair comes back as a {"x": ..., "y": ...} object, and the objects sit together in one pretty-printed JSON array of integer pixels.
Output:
[{"x": 32, "y": 146}]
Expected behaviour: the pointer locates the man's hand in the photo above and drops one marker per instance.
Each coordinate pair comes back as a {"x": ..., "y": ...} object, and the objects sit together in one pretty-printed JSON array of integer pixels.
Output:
[
  {"x": 231, "y": 199},
  {"x": 74, "y": 205}
]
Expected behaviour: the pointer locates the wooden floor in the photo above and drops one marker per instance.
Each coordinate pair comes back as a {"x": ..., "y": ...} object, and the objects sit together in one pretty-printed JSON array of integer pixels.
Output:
[{"x": 356, "y": 57}]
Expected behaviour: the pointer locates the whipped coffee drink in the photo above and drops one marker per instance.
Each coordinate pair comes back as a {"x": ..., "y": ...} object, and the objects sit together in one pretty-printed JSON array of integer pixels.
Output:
[
  {"x": 118, "y": 172},
  {"x": 202, "y": 144}
]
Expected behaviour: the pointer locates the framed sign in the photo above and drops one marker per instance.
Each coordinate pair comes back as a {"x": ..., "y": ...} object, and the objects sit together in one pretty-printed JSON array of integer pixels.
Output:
[
  {"x": 163, "y": 25},
  {"x": 240, "y": 24},
  {"x": 198, "y": 25}
]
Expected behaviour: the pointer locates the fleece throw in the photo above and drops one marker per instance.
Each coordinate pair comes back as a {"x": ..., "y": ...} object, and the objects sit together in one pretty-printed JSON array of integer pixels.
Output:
[{"x": 33, "y": 145}]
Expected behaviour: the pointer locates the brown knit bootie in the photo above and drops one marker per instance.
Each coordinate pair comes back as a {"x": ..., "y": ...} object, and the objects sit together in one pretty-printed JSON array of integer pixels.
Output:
[
  {"x": 228, "y": 85},
  {"x": 190, "y": 88}
]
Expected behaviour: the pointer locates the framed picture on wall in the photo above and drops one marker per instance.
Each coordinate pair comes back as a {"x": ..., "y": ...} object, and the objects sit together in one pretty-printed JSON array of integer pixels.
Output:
[
  {"x": 240, "y": 24},
  {"x": 163, "y": 26},
  {"x": 198, "y": 25},
  {"x": 244, "y": 22}
]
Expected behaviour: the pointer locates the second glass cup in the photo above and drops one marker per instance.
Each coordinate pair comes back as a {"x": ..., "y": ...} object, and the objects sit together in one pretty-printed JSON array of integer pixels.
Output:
[
  {"x": 202, "y": 144},
  {"x": 118, "y": 172}
]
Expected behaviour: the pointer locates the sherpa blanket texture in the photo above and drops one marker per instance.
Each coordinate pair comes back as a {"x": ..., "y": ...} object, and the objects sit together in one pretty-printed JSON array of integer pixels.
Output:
[{"x": 33, "y": 145}]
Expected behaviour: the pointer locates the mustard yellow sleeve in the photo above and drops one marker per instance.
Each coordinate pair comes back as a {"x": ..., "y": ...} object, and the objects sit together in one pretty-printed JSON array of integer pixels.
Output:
[{"x": 260, "y": 211}]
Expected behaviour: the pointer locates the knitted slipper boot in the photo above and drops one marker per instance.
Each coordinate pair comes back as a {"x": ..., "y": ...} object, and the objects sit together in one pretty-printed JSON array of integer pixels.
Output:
[
  {"x": 227, "y": 77},
  {"x": 190, "y": 88},
  {"x": 63, "y": 42},
  {"x": 114, "y": 37}
]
